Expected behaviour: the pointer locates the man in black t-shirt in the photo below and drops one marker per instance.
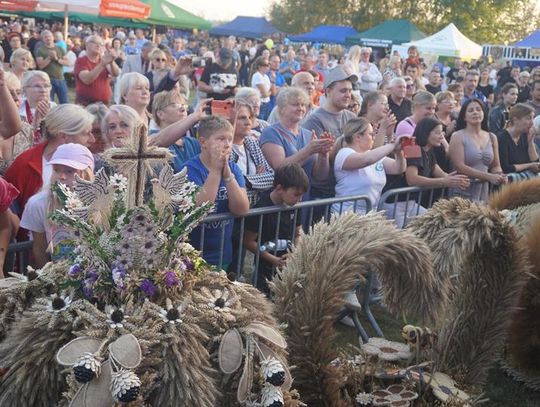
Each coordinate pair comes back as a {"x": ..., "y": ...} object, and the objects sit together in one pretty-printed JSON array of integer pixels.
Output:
[
  {"x": 434, "y": 85},
  {"x": 399, "y": 105},
  {"x": 290, "y": 183},
  {"x": 220, "y": 80}
]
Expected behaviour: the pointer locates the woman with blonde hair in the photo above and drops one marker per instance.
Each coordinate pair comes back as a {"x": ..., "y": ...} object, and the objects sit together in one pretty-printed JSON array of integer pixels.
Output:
[
  {"x": 32, "y": 170},
  {"x": 166, "y": 73},
  {"x": 118, "y": 125},
  {"x": 134, "y": 91},
  {"x": 445, "y": 113},
  {"x": 98, "y": 110},
  {"x": 361, "y": 169},
  {"x": 287, "y": 141},
  {"x": 253, "y": 97},
  {"x": 51, "y": 242},
  {"x": 36, "y": 102},
  {"x": 11, "y": 146},
  {"x": 423, "y": 105},
  {"x": 21, "y": 61}
]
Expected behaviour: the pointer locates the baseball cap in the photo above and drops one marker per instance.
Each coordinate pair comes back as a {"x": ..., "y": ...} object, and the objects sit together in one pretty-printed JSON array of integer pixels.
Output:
[
  {"x": 225, "y": 55},
  {"x": 74, "y": 156},
  {"x": 338, "y": 74}
]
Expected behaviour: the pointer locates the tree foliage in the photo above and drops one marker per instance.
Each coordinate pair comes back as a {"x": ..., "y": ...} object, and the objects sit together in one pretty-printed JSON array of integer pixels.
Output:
[{"x": 486, "y": 21}]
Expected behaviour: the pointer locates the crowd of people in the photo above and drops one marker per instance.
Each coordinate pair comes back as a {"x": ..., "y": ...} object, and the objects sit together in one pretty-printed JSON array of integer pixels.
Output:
[{"x": 298, "y": 123}]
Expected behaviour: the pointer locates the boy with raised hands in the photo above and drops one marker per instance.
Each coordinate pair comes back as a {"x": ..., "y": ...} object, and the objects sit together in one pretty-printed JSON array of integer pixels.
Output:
[{"x": 222, "y": 182}]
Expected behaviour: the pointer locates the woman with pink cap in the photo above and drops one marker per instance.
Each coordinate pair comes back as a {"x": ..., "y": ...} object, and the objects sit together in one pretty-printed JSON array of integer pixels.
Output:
[{"x": 49, "y": 240}]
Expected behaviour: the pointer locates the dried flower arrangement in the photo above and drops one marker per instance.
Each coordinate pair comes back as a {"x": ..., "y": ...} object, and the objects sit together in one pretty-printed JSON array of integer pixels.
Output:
[{"x": 135, "y": 314}]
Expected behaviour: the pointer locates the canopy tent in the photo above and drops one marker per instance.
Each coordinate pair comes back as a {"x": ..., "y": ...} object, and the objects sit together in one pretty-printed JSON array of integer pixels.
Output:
[
  {"x": 449, "y": 42},
  {"x": 247, "y": 27},
  {"x": 104, "y": 8},
  {"x": 170, "y": 15},
  {"x": 532, "y": 40},
  {"x": 328, "y": 34},
  {"x": 84, "y": 18},
  {"x": 387, "y": 33}
]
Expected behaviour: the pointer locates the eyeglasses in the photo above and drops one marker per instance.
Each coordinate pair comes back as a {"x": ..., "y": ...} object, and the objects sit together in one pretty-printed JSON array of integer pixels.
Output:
[
  {"x": 178, "y": 106},
  {"x": 40, "y": 87},
  {"x": 410, "y": 86}
]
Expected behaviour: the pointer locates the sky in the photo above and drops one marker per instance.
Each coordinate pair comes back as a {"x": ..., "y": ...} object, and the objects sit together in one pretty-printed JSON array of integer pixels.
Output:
[{"x": 224, "y": 10}]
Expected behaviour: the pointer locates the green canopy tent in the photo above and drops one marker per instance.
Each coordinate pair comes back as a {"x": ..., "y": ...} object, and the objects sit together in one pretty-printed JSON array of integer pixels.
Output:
[
  {"x": 167, "y": 14},
  {"x": 83, "y": 18},
  {"x": 387, "y": 33}
]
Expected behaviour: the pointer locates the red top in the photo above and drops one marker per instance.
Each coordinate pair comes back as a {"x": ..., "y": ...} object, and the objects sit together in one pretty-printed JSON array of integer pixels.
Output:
[
  {"x": 25, "y": 173},
  {"x": 98, "y": 91},
  {"x": 8, "y": 193}
]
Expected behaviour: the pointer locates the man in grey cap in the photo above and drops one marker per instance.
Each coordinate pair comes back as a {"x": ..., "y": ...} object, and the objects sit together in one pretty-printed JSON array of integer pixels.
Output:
[
  {"x": 220, "y": 80},
  {"x": 331, "y": 117}
]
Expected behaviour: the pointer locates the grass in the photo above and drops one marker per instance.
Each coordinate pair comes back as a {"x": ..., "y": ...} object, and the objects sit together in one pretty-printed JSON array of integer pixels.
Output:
[{"x": 501, "y": 390}]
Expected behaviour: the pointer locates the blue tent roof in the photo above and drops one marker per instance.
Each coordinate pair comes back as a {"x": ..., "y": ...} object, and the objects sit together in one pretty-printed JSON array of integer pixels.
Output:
[
  {"x": 532, "y": 40},
  {"x": 330, "y": 34},
  {"x": 247, "y": 27}
]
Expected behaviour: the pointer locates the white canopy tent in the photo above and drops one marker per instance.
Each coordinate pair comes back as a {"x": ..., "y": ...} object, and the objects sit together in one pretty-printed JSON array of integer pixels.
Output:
[{"x": 449, "y": 42}]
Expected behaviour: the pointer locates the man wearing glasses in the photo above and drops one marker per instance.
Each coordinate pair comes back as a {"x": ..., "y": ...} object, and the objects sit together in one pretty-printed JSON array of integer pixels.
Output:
[{"x": 93, "y": 73}]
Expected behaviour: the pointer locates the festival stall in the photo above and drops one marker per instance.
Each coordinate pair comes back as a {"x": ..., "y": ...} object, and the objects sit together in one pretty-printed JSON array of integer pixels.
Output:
[
  {"x": 326, "y": 34},
  {"x": 125, "y": 9},
  {"x": 449, "y": 42},
  {"x": 387, "y": 33},
  {"x": 167, "y": 14},
  {"x": 246, "y": 27}
]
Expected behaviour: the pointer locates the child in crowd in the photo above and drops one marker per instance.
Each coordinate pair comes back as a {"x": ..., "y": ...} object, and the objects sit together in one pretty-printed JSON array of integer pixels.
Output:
[
  {"x": 290, "y": 183},
  {"x": 50, "y": 241},
  {"x": 222, "y": 182}
]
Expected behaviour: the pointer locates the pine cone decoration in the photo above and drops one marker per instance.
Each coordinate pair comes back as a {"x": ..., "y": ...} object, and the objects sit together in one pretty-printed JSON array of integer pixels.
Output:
[
  {"x": 87, "y": 368},
  {"x": 272, "y": 371},
  {"x": 125, "y": 385},
  {"x": 271, "y": 396}
]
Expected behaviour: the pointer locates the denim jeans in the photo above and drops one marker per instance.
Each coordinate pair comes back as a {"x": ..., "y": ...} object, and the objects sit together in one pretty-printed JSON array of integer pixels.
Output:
[
  {"x": 265, "y": 111},
  {"x": 59, "y": 88}
]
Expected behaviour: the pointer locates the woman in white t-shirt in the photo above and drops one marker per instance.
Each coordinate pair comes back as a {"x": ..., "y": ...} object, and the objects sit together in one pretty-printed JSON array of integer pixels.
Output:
[
  {"x": 49, "y": 240},
  {"x": 361, "y": 170},
  {"x": 264, "y": 85}
]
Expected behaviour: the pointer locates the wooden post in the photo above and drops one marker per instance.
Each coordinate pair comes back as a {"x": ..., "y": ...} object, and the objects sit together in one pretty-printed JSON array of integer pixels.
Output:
[{"x": 66, "y": 22}]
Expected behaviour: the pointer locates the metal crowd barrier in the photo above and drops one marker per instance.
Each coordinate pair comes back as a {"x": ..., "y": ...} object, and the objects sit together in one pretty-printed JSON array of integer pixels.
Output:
[
  {"x": 18, "y": 254},
  {"x": 402, "y": 204},
  {"x": 311, "y": 212}
]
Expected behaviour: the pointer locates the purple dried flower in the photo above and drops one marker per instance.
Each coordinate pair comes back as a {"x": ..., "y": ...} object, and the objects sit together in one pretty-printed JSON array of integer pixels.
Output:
[
  {"x": 74, "y": 270},
  {"x": 87, "y": 288},
  {"x": 188, "y": 263},
  {"x": 92, "y": 275},
  {"x": 148, "y": 288},
  {"x": 171, "y": 279}
]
